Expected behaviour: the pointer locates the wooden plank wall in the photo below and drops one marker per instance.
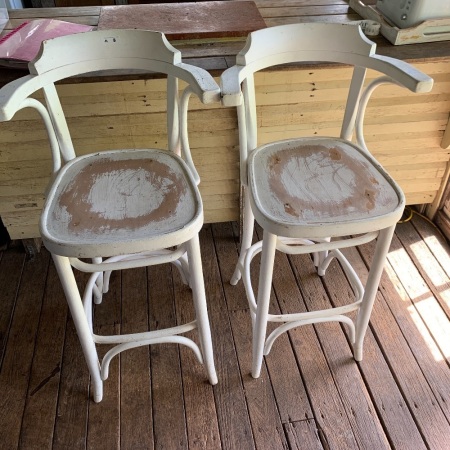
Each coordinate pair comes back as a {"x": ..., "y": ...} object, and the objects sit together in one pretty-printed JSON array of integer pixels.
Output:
[
  {"x": 403, "y": 130},
  {"x": 114, "y": 115}
]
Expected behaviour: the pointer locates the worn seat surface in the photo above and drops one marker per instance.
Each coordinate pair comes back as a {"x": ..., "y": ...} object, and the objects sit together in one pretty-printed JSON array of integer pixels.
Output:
[
  {"x": 122, "y": 201},
  {"x": 301, "y": 186}
]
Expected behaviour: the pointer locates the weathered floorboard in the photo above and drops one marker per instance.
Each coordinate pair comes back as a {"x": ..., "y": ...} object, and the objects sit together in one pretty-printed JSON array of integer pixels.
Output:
[
  {"x": 311, "y": 393},
  {"x": 17, "y": 362}
]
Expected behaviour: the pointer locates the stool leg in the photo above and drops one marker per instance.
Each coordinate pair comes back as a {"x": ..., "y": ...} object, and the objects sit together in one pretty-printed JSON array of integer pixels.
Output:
[
  {"x": 198, "y": 292},
  {"x": 75, "y": 303},
  {"x": 373, "y": 280},
  {"x": 264, "y": 288},
  {"x": 246, "y": 238}
]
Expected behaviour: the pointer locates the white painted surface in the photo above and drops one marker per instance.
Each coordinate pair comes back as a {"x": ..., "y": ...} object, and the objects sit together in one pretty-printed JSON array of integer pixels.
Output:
[
  {"x": 126, "y": 208},
  {"x": 305, "y": 191}
]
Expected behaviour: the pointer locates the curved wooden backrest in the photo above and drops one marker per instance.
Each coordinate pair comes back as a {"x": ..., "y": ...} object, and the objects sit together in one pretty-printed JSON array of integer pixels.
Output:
[
  {"x": 129, "y": 50},
  {"x": 311, "y": 43},
  {"x": 304, "y": 42},
  {"x": 103, "y": 50}
]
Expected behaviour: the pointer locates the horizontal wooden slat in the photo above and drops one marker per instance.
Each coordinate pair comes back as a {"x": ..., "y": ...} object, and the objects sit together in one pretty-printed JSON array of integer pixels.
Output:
[
  {"x": 300, "y": 11},
  {"x": 333, "y": 74},
  {"x": 344, "y": 18},
  {"x": 22, "y": 202},
  {"x": 284, "y": 3},
  {"x": 56, "y": 12},
  {"x": 413, "y": 171}
]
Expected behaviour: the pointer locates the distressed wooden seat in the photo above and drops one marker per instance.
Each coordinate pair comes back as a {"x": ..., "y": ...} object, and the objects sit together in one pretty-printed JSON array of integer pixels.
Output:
[
  {"x": 305, "y": 185},
  {"x": 314, "y": 194},
  {"x": 121, "y": 202},
  {"x": 125, "y": 208}
]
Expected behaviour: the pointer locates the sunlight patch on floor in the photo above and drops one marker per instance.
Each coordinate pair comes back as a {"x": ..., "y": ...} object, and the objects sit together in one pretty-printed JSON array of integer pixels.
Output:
[
  {"x": 396, "y": 282},
  {"x": 433, "y": 270},
  {"x": 426, "y": 312},
  {"x": 440, "y": 252},
  {"x": 407, "y": 272},
  {"x": 428, "y": 339}
]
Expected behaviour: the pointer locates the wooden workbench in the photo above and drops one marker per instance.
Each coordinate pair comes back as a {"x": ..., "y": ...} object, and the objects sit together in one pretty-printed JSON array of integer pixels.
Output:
[{"x": 403, "y": 130}]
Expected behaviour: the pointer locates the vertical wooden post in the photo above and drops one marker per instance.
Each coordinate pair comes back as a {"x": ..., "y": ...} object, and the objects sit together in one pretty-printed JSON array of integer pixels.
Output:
[
  {"x": 445, "y": 143},
  {"x": 443, "y": 194}
]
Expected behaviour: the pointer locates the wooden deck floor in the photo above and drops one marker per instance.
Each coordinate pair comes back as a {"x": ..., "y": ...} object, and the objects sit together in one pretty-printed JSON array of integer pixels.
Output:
[{"x": 311, "y": 394}]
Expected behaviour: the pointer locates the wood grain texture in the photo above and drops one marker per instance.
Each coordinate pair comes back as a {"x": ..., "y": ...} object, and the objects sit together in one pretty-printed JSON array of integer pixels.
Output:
[
  {"x": 201, "y": 416},
  {"x": 303, "y": 434},
  {"x": 426, "y": 306},
  {"x": 367, "y": 431},
  {"x": 266, "y": 424},
  {"x": 232, "y": 411},
  {"x": 366, "y": 427},
  {"x": 386, "y": 396},
  {"x": 17, "y": 359},
  {"x": 73, "y": 401},
  {"x": 40, "y": 410},
  {"x": 288, "y": 389},
  {"x": 327, "y": 407},
  {"x": 166, "y": 377},
  {"x": 11, "y": 266},
  {"x": 411, "y": 361},
  {"x": 434, "y": 240},
  {"x": 431, "y": 271},
  {"x": 401, "y": 384},
  {"x": 105, "y": 431},
  {"x": 187, "y": 20}
]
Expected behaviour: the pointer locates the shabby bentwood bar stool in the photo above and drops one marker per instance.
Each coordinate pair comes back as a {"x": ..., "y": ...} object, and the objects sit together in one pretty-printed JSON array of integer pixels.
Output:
[
  {"x": 119, "y": 209},
  {"x": 314, "y": 195}
]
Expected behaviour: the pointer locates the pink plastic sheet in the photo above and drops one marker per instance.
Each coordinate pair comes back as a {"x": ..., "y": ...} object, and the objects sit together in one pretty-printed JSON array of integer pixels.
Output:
[{"x": 22, "y": 44}]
